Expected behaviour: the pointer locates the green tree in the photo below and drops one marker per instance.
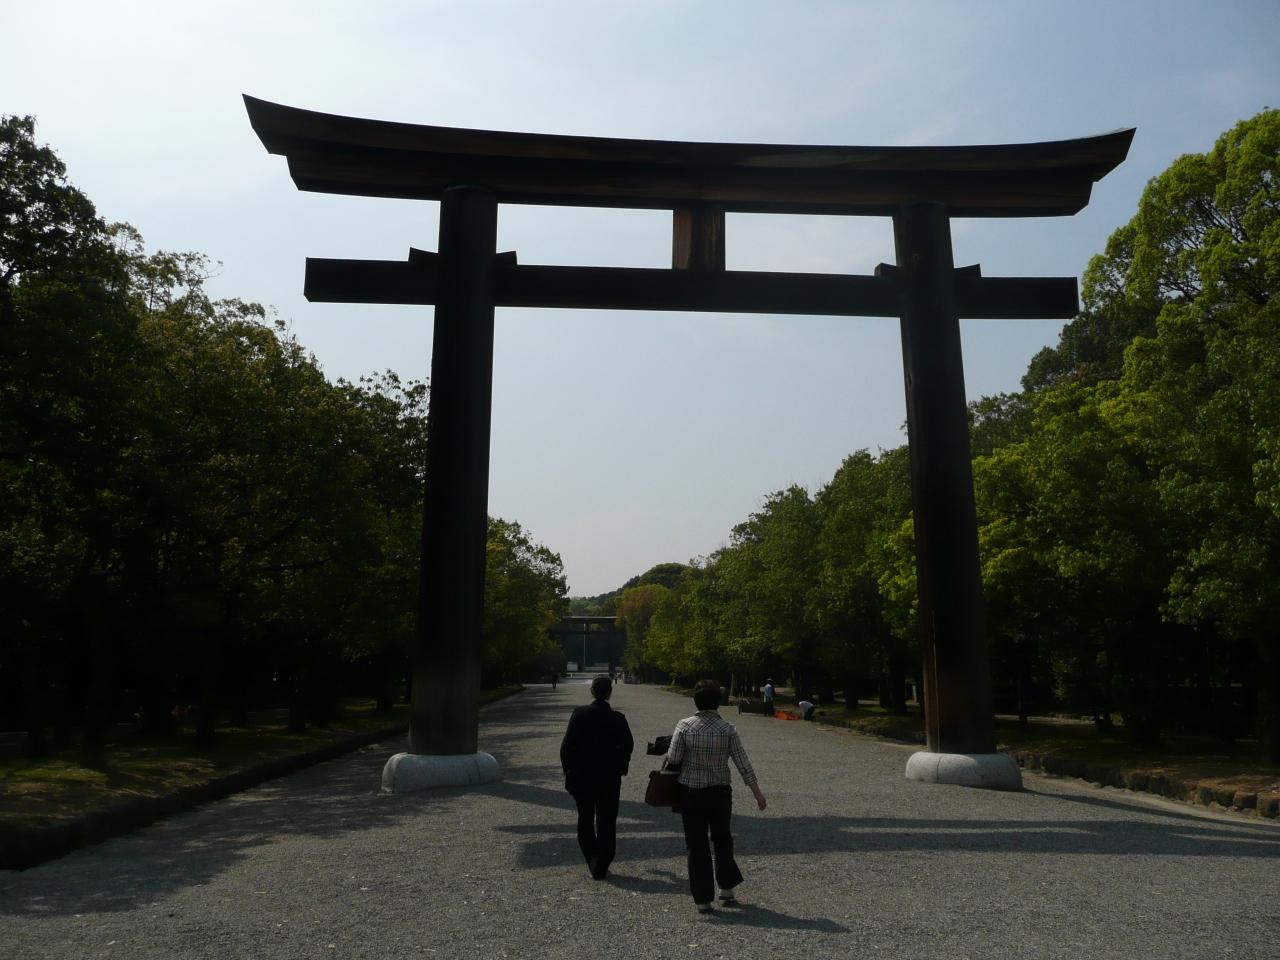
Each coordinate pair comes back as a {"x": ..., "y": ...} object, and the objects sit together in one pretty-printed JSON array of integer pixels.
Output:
[
  {"x": 684, "y": 638},
  {"x": 664, "y": 574},
  {"x": 774, "y": 566},
  {"x": 189, "y": 511},
  {"x": 65, "y": 376},
  {"x": 860, "y": 509},
  {"x": 525, "y": 594},
  {"x": 636, "y": 608},
  {"x": 1202, "y": 393}
]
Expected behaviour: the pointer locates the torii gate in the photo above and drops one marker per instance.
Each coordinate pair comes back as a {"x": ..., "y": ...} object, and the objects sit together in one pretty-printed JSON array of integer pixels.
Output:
[{"x": 471, "y": 171}]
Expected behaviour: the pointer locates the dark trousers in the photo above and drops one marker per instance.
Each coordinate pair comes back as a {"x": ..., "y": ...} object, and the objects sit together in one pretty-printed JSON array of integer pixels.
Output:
[
  {"x": 598, "y": 824},
  {"x": 706, "y": 812}
]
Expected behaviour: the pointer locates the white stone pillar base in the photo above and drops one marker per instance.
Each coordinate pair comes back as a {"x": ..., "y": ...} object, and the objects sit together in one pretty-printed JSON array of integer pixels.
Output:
[
  {"x": 409, "y": 772},
  {"x": 991, "y": 771}
]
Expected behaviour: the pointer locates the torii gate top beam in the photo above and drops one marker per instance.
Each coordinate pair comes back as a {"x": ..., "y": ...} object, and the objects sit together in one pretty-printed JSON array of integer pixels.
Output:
[{"x": 328, "y": 153}]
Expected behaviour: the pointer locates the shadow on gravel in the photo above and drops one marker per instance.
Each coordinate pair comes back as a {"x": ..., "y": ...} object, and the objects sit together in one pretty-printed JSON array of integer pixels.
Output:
[
  {"x": 1156, "y": 834},
  {"x": 744, "y": 914},
  {"x": 1113, "y": 837},
  {"x": 533, "y": 703},
  {"x": 190, "y": 848}
]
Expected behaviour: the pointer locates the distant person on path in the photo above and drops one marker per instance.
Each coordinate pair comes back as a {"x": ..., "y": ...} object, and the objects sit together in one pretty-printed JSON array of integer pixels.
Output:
[
  {"x": 702, "y": 746},
  {"x": 595, "y": 755},
  {"x": 806, "y": 709},
  {"x": 555, "y": 677},
  {"x": 768, "y": 697}
]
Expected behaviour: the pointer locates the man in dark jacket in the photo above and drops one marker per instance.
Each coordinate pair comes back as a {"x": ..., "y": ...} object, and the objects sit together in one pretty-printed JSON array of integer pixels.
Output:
[{"x": 595, "y": 754}]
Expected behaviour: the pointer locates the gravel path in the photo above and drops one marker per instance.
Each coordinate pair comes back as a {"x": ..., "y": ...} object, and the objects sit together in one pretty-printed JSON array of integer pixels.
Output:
[{"x": 849, "y": 859}]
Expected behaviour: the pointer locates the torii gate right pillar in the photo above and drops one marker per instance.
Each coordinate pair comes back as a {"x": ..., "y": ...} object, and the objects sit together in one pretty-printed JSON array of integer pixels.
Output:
[{"x": 957, "y": 679}]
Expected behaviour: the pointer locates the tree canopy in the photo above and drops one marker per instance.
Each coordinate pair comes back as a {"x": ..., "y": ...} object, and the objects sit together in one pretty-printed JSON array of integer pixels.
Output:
[{"x": 190, "y": 512}]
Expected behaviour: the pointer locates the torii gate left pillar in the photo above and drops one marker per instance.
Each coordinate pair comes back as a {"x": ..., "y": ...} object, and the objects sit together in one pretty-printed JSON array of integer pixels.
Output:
[{"x": 444, "y": 722}]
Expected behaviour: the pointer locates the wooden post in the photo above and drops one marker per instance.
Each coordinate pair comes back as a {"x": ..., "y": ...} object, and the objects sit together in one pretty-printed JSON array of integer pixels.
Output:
[
  {"x": 697, "y": 238},
  {"x": 446, "y": 680},
  {"x": 957, "y": 680}
]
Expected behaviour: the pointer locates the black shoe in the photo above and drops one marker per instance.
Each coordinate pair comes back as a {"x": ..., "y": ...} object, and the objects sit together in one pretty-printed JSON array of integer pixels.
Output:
[{"x": 705, "y": 908}]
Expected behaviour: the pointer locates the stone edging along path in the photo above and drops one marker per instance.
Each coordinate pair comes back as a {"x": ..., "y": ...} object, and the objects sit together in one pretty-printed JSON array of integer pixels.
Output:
[
  {"x": 1259, "y": 803},
  {"x": 33, "y": 847},
  {"x": 1208, "y": 793}
]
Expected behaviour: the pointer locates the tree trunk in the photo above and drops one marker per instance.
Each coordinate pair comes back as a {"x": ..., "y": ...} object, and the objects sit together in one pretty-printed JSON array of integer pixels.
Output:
[
  {"x": 1268, "y": 674},
  {"x": 1143, "y": 723},
  {"x": 1202, "y": 676},
  {"x": 898, "y": 684},
  {"x": 385, "y": 694},
  {"x": 826, "y": 688},
  {"x": 1225, "y": 724},
  {"x": 61, "y": 722},
  {"x": 97, "y": 706},
  {"x": 297, "y": 707},
  {"x": 239, "y": 681},
  {"x": 34, "y": 689},
  {"x": 1145, "y": 680},
  {"x": 37, "y": 742},
  {"x": 157, "y": 713},
  {"x": 1022, "y": 664},
  {"x": 158, "y": 693},
  {"x": 206, "y": 725},
  {"x": 851, "y": 682},
  {"x": 1102, "y": 721}
]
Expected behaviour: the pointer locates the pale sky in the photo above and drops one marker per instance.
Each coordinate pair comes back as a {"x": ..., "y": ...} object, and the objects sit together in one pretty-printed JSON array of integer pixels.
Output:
[{"x": 621, "y": 440}]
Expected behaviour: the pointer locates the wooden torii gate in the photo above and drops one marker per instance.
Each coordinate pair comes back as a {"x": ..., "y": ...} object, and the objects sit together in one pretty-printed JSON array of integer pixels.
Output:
[{"x": 471, "y": 171}]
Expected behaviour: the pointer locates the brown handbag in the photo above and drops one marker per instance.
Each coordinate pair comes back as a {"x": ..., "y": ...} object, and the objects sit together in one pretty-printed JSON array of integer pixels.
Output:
[{"x": 663, "y": 789}]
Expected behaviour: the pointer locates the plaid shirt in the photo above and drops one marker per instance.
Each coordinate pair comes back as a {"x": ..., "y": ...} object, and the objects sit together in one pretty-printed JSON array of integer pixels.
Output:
[{"x": 703, "y": 745}]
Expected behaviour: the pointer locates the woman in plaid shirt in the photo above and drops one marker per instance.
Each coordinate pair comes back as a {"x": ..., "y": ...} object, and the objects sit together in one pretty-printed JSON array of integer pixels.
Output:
[{"x": 702, "y": 746}]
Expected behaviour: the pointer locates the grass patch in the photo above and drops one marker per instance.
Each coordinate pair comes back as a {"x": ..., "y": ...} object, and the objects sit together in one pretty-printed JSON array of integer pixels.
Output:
[
  {"x": 1186, "y": 758},
  {"x": 51, "y": 790},
  {"x": 1178, "y": 757},
  {"x": 873, "y": 720}
]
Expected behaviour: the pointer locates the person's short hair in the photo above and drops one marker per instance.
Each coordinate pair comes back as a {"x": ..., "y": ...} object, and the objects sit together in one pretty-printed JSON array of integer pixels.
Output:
[
  {"x": 706, "y": 694},
  {"x": 601, "y": 687}
]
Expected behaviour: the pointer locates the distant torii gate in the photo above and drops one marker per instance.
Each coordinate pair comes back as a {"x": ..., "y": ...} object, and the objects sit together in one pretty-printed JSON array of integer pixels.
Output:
[
  {"x": 579, "y": 636},
  {"x": 471, "y": 171}
]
